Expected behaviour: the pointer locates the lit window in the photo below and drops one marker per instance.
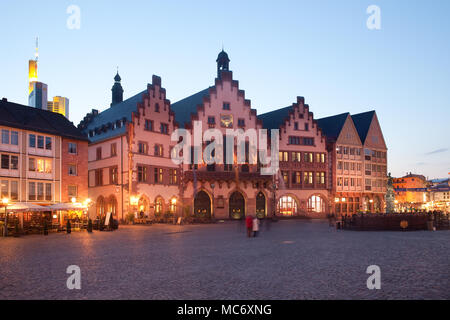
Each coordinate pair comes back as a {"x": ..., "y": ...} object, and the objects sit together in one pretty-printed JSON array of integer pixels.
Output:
[
  {"x": 316, "y": 204},
  {"x": 287, "y": 206}
]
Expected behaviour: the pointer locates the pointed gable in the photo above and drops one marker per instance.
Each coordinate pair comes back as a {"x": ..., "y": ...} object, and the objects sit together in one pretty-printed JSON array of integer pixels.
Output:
[
  {"x": 332, "y": 126},
  {"x": 374, "y": 137},
  {"x": 362, "y": 123},
  {"x": 349, "y": 135}
]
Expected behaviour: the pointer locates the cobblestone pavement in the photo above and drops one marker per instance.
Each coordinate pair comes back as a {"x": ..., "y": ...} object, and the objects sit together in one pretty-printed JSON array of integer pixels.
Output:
[{"x": 290, "y": 260}]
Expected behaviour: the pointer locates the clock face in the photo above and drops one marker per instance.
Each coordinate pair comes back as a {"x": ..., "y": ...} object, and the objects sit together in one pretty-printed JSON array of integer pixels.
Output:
[{"x": 226, "y": 121}]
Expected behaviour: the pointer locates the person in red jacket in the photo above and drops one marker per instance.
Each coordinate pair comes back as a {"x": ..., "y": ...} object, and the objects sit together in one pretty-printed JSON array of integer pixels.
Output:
[{"x": 249, "y": 225}]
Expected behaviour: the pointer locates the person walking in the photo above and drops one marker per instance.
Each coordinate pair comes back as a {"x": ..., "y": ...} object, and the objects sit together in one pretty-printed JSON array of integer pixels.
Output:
[
  {"x": 255, "y": 226},
  {"x": 249, "y": 225}
]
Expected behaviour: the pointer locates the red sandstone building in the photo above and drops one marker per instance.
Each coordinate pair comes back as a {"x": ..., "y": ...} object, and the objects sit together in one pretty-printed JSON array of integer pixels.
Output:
[{"x": 131, "y": 170}]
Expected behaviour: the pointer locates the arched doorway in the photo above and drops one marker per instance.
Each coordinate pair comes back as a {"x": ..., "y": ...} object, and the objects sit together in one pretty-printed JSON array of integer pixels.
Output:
[
  {"x": 316, "y": 204},
  {"x": 202, "y": 204},
  {"x": 112, "y": 206},
  {"x": 261, "y": 205},
  {"x": 101, "y": 206},
  {"x": 237, "y": 206},
  {"x": 143, "y": 206},
  {"x": 377, "y": 204},
  {"x": 287, "y": 206},
  {"x": 159, "y": 202}
]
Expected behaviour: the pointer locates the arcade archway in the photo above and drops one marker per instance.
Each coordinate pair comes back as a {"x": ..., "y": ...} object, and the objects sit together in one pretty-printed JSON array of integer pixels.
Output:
[
  {"x": 261, "y": 205},
  {"x": 202, "y": 204},
  {"x": 237, "y": 206}
]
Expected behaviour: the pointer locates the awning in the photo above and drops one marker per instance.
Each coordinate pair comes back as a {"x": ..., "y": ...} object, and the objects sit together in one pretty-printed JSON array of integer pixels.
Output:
[
  {"x": 25, "y": 207},
  {"x": 66, "y": 206}
]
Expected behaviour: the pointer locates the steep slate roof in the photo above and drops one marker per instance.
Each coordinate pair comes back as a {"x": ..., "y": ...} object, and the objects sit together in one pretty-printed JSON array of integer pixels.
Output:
[
  {"x": 187, "y": 106},
  {"x": 274, "y": 119},
  {"x": 332, "y": 126},
  {"x": 34, "y": 119},
  {"x": 119, "y": 111},
  {"x": 362, "y": 123}
]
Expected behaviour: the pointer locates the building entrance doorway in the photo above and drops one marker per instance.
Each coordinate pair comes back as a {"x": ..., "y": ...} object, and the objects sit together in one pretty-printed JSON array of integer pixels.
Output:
[
  {"x": 237, "y": 206},
  {"x": 202, "y": 204}
]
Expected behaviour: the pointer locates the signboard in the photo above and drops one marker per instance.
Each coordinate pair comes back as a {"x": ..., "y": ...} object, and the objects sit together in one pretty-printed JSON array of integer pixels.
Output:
[{"x": 108, "y": 217}]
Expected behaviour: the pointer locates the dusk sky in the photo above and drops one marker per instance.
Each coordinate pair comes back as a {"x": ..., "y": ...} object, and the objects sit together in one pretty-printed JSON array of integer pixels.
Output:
[{"x": 321, "y": 50}]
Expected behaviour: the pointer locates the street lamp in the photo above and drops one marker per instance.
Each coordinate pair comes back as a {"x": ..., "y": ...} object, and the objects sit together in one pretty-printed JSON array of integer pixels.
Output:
[
  {"x": 213, "y": 208},
  {"x": 74, "y": 200},
  {"x": 5, "y": 202}
]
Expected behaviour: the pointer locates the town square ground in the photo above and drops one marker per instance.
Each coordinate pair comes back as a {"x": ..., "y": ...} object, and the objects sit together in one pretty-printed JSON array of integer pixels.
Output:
[{"x": 289, "y": 260}]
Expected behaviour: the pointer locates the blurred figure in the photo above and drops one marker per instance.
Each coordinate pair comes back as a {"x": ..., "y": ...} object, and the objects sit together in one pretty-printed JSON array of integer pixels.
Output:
[
  {"x": 249, "y": 225},
  {"x": 255, "y": 226}
]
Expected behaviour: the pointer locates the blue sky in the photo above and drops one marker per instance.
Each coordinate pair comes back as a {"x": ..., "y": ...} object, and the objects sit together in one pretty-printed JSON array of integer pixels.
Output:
[{"x": 279, "y": 50}]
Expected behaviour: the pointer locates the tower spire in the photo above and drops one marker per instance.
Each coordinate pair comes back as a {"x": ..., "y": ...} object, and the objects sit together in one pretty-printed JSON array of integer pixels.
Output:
[{"x": 37, "y": 49}]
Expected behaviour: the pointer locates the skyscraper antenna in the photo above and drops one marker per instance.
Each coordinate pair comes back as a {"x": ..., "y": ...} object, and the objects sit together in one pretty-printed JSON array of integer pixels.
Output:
[{"x": 37, "y": 49}]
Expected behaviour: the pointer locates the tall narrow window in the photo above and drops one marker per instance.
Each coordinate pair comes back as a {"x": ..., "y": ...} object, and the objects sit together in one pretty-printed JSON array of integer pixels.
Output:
[
  {"x": 99, "y": 153},
  {"x": 14, "y": 162},
  {"x": 5, "y": 136},
  {"x": 48, "y": 143},
  {"x": 4, "y": 188},
  {"x": 40, "y": 142},
  {"x": 32, "y": 141},
  {"x": 14, "y": 138},
  {"x": 5, "y": 161},
  {"x": 113, "y": 149},
  {"x": 32, "y": 191},
  {"x": 72, "y": 148},
  {"x": 40, "y": 191},
  {"x": 48, "y": 192},
  {"x": 14, "y": 190},
  {"x": 31, "y": 164}
]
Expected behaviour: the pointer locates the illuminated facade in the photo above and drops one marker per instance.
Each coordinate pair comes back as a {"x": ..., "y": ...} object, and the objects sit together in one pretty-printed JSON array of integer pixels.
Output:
[
  {"x": 411, "y": 192},
  {"x": 131, "y": 170},
  {"x": 38, "y": 92},
  {"x": 35, "y": 156},
  {"x": 59, "y": 105},
  {"x": 358, "y": 162},
  {"x": 38, "y": 96}
]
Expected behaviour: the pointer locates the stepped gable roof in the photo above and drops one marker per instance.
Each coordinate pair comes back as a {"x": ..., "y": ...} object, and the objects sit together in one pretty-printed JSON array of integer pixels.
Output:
[
  {"x": 186, "y": 107},
  {"x": 275, "y": 119},
  {"x": 362, "y": 123},
  {"x": 117, "y": 112},
  {"x": 34, "y": 119}
]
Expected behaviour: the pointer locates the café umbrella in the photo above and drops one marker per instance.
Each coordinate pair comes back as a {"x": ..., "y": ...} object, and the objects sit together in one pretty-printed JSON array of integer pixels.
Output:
[
  {"x": 66, "y": 206},
  {"x": 25, "y": 207}
]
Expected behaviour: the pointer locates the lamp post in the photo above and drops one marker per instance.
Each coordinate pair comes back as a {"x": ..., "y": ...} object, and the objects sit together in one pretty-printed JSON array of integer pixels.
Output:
[
  {"x": 213, "y": 208},
  {"x": 5, "y": 202}
]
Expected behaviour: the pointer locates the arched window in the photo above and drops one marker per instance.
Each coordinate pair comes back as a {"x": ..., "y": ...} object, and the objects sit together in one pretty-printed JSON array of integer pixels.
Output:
[
  {"x": 316, "y": 204},
  {"x": 112, "y": 205},
  {"x": 143, "y": 205},
  {"x": 158, "y": 205},
  {"x": 173, "y": 205},
  {"x": 101, "y": 206},
  {"x": 287, "y": 206}
]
